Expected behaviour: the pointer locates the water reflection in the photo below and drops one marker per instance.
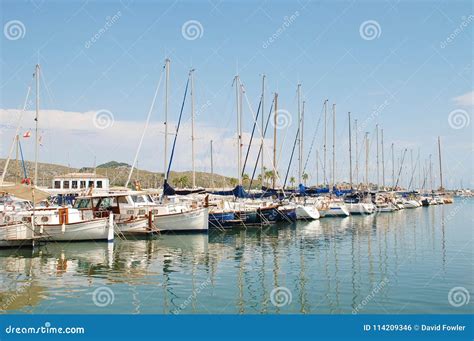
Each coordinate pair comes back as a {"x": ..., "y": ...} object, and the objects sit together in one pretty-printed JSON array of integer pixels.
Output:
[{"x": 328, "y": 266}]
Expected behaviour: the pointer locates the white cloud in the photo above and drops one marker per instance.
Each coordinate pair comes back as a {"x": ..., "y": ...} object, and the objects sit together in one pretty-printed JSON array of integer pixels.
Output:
[
  {"x": 466, "y": 100},
  {"x": 72, "y": 138}
]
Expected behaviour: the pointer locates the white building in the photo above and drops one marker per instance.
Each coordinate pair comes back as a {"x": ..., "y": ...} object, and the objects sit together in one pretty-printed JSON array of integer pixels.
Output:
[{"x": 75, "y": 182}]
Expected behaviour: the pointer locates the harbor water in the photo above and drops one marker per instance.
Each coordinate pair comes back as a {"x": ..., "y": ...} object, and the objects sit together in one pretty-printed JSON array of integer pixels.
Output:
[{"x": 414, "y": 261}]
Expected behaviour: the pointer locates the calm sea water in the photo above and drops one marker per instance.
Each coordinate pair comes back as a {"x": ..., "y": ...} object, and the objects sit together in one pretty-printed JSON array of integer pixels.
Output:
[{"x": 412, "y": 261}]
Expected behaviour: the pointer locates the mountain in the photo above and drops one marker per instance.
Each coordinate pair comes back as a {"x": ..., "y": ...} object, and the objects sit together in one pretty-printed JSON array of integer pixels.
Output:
[{"x": 117, "y": 172}]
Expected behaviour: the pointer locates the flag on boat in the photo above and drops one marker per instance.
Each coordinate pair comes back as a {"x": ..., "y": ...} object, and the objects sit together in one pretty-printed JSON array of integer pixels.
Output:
[{"x": 27, "y": 134}]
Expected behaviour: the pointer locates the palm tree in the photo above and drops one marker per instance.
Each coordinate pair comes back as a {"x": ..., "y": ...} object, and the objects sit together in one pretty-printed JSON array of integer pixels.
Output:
[
  {"x": 233, "y": 182},
  {"x": 305, "y": 178},
  {"x": 184, "y": 181},
  {"x": 292, "y": 181}
]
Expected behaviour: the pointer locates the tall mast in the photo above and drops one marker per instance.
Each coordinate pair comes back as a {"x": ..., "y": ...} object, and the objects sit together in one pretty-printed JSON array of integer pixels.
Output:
[
  {"x": 212, "y": 167},
  {"x": 350, "y": 150},
  {"x": 383, "y": 163},
  {"x": 302, "y": 139},
  {"x": 411, "y": 166},
  {"x": 333, "y": 145},
  {"x": 167, "y": 79},
  {"x": 325, "y": 140},
  {"x": 37, "y": 76},
  {"x": 317, "y": 167},
  {"x": 275, "y": 120},
  {"x": 393, "y": 167},
  {"x": 440, "y": 165},
  {"x": 239, "y": 128},
  {"x": 377, "y": 142},
  {"x": 367, "y": 160},
  {"x": 299, "y": 138},
  {"x": 357, "y": 153},
  {"x": 262, "y": 168},
  {"x": 431, "y": 175},
  {"x": 191, "y": 74}
]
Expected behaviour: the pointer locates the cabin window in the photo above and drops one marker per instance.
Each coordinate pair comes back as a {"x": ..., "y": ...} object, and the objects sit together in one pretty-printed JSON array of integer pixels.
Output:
[
  {"x": 66, "y": 184},
  {"x": 82, "y": 203},
  {"x": 83, "y": 184},
  {"x": 122, "y": 200},
  {"x": 74, "y": 184},
  {"x": 137, "y": 198},
  {"x": 108, "y": 202},
  {"x": 57, "y": 184},
  {"x": 91, "y": 184},
  {"x": 99, "y": 184}
]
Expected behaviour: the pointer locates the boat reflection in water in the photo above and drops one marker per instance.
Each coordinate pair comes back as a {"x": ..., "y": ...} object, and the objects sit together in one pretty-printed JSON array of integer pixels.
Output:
[{"x": 321, "y": 266}]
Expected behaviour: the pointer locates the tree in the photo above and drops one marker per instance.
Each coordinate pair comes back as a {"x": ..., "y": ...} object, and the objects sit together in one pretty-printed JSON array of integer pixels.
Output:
[
  {"x": 292, "y": 181},
  {"x": 305, "y": 178},
  {"x": 233, "y": 182}
]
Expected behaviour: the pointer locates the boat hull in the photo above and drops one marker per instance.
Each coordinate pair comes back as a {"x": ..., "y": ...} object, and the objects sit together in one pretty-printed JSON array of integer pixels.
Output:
[
  {"x": 95, "y": 229},
  {"x": 194, "y": 220},
  {"x": 15, "y": 235},
  {"x": 306, "y": 213},
  {"x": 360, "y": 208}
]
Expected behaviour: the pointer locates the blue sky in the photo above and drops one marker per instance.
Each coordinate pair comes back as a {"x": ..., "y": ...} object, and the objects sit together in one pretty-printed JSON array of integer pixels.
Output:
[{"x": 415, "y": 71}]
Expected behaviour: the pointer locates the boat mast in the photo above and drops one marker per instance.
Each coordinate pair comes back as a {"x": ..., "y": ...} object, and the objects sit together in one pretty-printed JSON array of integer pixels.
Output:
[
  {"x": 334, "y": 145},
  {"x": 191, "y": 74},
  {"x": 167, "y": 79},
  {"x": 378, "y": 164},
  {"x": 367, "y": 160},
  {"x": 317, "y": 167},
  {"x": 357, "y": 153},
  {"x": 37, "y": 74},
  {"x": 262, "y": 168},
  {"x": 440, "y": 165},
  {"x": 411, "y": 166},
  {"x": 350, "y": 150},
  {"x": 302, "y": 140},
  {"x": 301, "y": 132},
  {"x": 239, "y": 129},
  {"x": 212, "y": 168},
  {"x": 431, "y": 175},
  {"x": 383, "y": 163},
  {"x": 325, "y": 139},
  {"x": 393, "y": 167},
  {"x": 275, "y": 120}
]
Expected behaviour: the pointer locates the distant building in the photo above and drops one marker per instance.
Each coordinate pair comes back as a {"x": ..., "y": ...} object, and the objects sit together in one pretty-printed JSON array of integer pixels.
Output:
[{"x": 74, "y": 182}]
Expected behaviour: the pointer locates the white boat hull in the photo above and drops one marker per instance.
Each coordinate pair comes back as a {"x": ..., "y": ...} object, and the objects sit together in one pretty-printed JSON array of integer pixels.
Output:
[
  {"x": 95, "y": 229},
  {"x": 194, "y": 220},
  {"x": 360, "y": 208},
  {"x": 306, "y": 212},
  {"x": 411, "y": 204},
  {"x": 15, "y": 234},
  {"x": 137, "y": 226},
  {"x": 335, "y": 211}
]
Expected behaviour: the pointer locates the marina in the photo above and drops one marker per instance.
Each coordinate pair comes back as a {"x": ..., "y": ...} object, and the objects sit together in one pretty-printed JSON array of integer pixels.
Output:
[{"x": 330, "y": 266}]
